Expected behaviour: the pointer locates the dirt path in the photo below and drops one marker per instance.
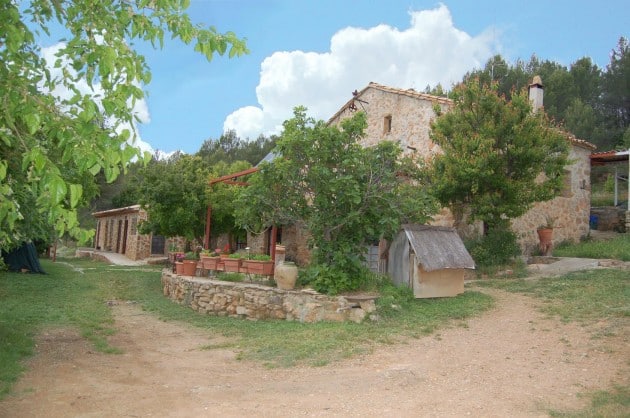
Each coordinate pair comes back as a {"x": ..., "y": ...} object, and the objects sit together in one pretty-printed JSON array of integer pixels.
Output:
[{"x": 509, "y": 362}]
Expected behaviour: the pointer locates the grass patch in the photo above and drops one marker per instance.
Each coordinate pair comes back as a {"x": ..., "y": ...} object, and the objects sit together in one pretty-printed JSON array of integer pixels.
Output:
[
  {"x": 608, "y": 403},
  {"x": 617, "y": 248},
  {"x": 75, "y": 292},
  {"x": 584, "y": 296},
  {"x": 70, "y": 295}
]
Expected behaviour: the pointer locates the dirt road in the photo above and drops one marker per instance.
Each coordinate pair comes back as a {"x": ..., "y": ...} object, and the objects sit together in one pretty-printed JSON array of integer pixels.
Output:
[{"x": 509, "y": 362}]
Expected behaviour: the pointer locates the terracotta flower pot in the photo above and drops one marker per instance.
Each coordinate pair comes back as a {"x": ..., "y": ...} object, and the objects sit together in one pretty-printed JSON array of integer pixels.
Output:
[
  {"x": 179, "y": 267},
  {"x": 190, "y": 267}
]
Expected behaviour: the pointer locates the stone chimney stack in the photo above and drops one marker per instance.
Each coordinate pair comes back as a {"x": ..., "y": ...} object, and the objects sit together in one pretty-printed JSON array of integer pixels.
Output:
[{"x": 536, "y": 93}]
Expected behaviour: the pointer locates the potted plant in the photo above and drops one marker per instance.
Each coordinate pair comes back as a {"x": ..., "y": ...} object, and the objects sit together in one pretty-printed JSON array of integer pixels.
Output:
[
  {"x": 545, "y": 235},
  {"x": 190, "y": 263},
  {"x": 233, "y": 263},
  {"x": 259, "y": 264},
  {"x": 178, "y": 262}
]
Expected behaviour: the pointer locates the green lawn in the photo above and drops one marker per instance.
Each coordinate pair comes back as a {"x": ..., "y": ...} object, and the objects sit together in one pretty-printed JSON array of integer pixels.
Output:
[
  {"x": 75, "y": 292},
  {"x": 617, "y": 248}
]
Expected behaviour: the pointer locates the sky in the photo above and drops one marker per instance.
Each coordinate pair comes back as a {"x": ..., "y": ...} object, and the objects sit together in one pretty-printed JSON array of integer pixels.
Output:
[{"x": 316, "y": 52}]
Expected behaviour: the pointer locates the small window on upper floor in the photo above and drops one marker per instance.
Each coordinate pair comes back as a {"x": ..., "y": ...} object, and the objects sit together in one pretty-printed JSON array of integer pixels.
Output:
[{"x": 387, "y": 124}]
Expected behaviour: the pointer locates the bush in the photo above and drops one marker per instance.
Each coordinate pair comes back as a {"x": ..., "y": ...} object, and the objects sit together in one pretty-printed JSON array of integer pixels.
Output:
[
  {"x": 332, "y": 280},
  {"x": 497, "y": 248},
  {"x": 230, "y": 277}
]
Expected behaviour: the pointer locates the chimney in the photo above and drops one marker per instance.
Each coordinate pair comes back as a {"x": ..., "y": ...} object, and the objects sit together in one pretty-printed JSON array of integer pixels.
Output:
[{"x": 536, "y": 93}]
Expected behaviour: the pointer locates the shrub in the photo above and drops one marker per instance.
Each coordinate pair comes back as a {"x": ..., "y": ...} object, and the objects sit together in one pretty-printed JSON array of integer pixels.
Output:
[
  {"x": 260, "y": 257},
  {"x": 230, "y": 277},
  {"x": 497, "y": 248},
  {"x": 191, "y": 255},
  {"x": 333, "y": 280}
]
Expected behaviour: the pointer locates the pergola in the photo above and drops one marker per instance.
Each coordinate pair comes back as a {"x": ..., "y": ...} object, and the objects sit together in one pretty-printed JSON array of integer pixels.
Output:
[
  {"x": 607, "y": 157},
  {"x": 232, "y": 179}
]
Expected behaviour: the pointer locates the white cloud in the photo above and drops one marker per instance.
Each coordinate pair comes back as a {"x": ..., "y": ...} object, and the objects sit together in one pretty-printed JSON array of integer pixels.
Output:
[
  {"x": 432, "y": 50},
  {"x": 139, "y": 108}
]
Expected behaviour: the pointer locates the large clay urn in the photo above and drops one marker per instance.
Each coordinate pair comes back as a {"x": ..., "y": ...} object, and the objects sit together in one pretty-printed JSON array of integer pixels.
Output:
[{"x": 285, "y": 275}]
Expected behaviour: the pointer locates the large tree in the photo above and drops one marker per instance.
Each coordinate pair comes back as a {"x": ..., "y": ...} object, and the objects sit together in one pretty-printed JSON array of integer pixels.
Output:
[
  {"x": 57, "y": 132},
  {"x": 345, "y": 195},
  {"x": 173, "y": 192},
  {"x": 498, "y": 156}
]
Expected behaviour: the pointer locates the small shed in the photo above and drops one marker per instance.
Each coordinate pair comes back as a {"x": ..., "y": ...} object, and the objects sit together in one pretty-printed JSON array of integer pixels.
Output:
[{"x": 430, "y": 260}]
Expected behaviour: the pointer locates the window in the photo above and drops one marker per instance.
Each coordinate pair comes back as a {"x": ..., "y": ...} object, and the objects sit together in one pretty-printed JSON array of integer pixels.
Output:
[{"x": 387, "y": 124}]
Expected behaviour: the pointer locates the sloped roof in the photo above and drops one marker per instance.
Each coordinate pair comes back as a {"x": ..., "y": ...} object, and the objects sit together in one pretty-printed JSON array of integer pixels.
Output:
[
  {"x": 438, "y": 247},
  {"x": 409, "y": 93},
  {"x": 435, "y": 99}
]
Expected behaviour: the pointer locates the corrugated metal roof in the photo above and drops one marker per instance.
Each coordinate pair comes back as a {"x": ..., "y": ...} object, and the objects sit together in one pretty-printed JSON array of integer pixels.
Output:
[
  {"x": 117, "y": 211},
  {"x": 600, "y": 158},
  {"x": 438, "y": 247}
]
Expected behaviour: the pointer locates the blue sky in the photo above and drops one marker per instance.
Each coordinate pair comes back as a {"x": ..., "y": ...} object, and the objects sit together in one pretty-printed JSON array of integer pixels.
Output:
[{"x": 316, "y": 52}]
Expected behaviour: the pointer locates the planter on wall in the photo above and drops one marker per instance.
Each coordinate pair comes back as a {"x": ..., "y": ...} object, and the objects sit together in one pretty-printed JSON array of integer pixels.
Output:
[
  {"x": 232, "y": 264},
  {"x": 259, "y": 267},
  {"x": 179, "y": 267},
  {"x": 210, "y": 263}
]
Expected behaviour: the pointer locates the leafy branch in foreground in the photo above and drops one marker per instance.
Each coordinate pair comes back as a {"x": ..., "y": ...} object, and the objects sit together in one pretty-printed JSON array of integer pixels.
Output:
[{"x": 65, "y": 119}]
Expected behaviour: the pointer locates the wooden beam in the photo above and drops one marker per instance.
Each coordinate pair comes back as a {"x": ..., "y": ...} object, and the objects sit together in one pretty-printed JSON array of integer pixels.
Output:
[
  {"x": 233, "y": 176},
  {"x": 206, "y": 243},
  {"x": 274, "y": 239}
]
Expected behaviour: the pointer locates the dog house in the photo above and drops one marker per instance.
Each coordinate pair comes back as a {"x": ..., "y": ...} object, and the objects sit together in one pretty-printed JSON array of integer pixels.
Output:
[{"x": 431, "y": 260}]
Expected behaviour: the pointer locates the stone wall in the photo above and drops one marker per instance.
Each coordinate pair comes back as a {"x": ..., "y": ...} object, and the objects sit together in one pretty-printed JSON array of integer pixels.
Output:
[
  {"x": 252, "y": 301},
  {"x": 610, "y": 218},
  {"x": 570, "y": 211}
]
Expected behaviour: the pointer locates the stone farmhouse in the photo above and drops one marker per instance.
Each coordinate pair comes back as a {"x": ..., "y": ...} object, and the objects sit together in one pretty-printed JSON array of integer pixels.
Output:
[
  {"x": 117, "y": 231},
  {"x": 404, "y": 116}
]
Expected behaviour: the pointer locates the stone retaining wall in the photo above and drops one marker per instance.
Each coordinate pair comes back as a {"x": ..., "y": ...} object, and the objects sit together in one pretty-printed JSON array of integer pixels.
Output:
[{"x": 252, "y": 301}]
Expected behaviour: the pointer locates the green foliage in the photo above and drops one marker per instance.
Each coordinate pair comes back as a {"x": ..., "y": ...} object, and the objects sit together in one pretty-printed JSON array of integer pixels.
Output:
[
  {"x": 499, "y": 247},
  {"x": 617, "y": 248},
  {"x": 589, "y": 102},
  {"x": 52, "y": 145},
  {"x": 223, "y": 198},
  {"x": 230, "y": 277},
  {"x": 260, "y": 257},
  {"x": 494, "y": 152},
  {"x": 229, "y": 149},
  {"x": 191, "y": 255},
  {"x": 174, "y": 195},
  {"x": 345, "y": 195}
]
